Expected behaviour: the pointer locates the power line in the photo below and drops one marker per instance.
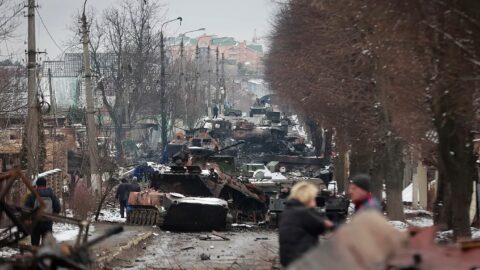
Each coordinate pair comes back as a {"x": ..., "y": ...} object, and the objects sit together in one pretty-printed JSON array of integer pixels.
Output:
[{"x": 48, "y": 32}]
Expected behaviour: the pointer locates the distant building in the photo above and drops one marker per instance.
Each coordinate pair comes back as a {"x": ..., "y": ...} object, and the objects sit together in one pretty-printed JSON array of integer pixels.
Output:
[
  {"x": 235, "y": 52},
  {"x": 258, "y": 87}
]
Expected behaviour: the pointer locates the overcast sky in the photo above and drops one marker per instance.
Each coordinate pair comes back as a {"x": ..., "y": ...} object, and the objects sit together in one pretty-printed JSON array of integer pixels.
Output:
[{"x": 236, "y": 18}]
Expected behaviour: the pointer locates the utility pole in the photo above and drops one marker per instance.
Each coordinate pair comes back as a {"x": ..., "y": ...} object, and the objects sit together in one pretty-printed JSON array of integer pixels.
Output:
[
  {"x": 209, "y": 84},
  {"x": 217, "y": 80},
  {"x": 189, "y": 109},
  {"x": 53, "y": 102},
  {"x": 33, "y": 115},
  {"x": 222, "y": 87},
  {"x": 163, "y": 109},
  {"x": 197, "y": 75},
  {"x": 91, "y": 128},
  {"x": 163, "y": 85},
  {"x": 182, "y": 79}
]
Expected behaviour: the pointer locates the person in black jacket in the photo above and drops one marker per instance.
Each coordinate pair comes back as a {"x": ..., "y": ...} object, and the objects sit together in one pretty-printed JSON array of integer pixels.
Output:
[
  {"x": 123, "y": 191},
  {"x": 52, "y": 205},
  {"x": 300, "y": 224}
]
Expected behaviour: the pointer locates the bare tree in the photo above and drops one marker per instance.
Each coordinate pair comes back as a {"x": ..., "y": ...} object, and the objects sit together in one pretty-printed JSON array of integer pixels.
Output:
[
  {"x": 9, "y": 14},
  {"x": 387, "y": 75},
  {"x": 128, "y": 33}
]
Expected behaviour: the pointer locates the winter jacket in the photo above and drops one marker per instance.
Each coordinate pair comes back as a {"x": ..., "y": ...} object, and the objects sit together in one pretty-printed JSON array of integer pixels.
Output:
[
  {"x": 123, "y": 191},
  {"x": 50, "y": 199},
  {"x": 299, "y": 229},
  {"x": 370, "y": 203}
]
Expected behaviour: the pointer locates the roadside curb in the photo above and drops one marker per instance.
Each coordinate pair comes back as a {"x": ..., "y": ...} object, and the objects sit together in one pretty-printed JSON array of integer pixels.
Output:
[{"x": 101, "y": 261}]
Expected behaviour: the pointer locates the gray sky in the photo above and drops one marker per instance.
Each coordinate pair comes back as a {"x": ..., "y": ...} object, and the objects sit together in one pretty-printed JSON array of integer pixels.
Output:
[{"x": 236, "y": 18}]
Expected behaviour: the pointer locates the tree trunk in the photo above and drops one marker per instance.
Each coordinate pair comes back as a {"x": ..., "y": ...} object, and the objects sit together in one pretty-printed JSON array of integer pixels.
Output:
[
  {"x": 119, "y": 142},
  {"x": 327, "y": 154},
  {"x": 362, "y": 161},
  {"x": 317, "y": 136},
  {"x": 458, "y": 163},
  {"x": 339, "y": 170},
  {"x": 442, "y": 210},
  {"x": 378, "y": 174},
  {"x": 394, "y": 168}
]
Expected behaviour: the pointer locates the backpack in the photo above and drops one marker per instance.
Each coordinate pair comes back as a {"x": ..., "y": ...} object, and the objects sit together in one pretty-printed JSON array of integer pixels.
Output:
[{"x": 48, "y": 204}]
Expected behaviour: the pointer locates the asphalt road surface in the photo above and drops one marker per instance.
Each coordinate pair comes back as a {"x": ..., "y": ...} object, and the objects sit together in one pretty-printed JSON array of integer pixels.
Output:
[{"x": 253, "y": 249}]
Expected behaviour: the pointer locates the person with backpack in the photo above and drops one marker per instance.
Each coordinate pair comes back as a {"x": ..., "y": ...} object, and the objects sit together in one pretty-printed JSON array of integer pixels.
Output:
[{"x": 52, "y": 206}]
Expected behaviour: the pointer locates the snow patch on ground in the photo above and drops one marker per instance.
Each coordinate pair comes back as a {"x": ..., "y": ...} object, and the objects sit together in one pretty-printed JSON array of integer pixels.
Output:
[
  {"x": 420, "y": 221},
  {"x": 399, "y": 224},
  {"x": 64, "y": 232},
  {"x": 110, "y": 215},
  {"x": 417, "y": 212}
]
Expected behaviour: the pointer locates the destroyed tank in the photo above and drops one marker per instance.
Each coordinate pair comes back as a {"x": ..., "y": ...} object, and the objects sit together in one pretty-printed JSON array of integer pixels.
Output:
[
  {"x": 198, "y": 184},
  {"x": 329, "y": 203},
  {"x": 173, "y": 211}
]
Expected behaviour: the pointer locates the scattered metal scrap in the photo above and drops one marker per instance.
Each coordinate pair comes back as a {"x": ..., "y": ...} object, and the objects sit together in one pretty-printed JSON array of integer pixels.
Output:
[{"x": 50, "y": 255}]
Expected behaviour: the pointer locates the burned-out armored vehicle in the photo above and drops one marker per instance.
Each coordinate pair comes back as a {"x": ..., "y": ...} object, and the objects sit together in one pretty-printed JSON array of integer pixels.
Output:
[
  {"x": 203, "y": 182},
  {"x": 329, "y": 203},
  {"x": 174, "y": 211}
]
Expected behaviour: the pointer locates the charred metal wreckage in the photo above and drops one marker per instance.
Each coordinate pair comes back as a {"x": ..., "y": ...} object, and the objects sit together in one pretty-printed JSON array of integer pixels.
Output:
[
  {"x": 50, "y": 255},
  {"x": 200, "y": 186}
]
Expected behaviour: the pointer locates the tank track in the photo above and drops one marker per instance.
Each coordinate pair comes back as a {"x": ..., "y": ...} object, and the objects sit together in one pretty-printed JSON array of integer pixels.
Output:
[{"x": 144, "y": 217}]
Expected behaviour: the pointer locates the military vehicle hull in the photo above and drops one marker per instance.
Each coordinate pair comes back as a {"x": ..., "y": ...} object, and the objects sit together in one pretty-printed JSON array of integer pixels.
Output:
[{"x": 173, "y": 211}]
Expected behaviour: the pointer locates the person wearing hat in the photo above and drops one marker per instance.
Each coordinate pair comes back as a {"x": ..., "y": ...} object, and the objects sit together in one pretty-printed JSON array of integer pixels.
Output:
[
  {"x": 361, "y": 195},
  {"x": 52, "y": 205}
]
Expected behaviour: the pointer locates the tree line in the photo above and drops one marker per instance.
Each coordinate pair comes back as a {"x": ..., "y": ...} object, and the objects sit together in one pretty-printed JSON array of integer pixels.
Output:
[{"x": 392, "y": 79}]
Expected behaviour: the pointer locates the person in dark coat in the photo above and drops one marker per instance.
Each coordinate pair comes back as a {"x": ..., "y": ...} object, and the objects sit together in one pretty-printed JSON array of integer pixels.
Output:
[
  {"x": 300, "y": 224},
  {"x": 123, "y": 191},
  {"x": 360, "y": 194},
  {"x": 215, "y": 112},
  {"x": 52, "y": 205}
]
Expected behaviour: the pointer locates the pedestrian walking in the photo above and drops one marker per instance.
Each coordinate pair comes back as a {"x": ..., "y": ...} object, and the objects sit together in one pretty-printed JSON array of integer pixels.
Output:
[
  {"x": 52, "y": 206},
  {"x": 123, "y": 191},
  {"x": 361, "y": 195},
  {"x": 215, "y": 112},
  {"x": 300, "y": 223}
]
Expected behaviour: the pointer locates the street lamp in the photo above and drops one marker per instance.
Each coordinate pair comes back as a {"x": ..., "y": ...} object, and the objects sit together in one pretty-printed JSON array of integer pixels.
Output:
[
  {"x": 181, "y": 42},
  {"x": 163, "y": 83}
]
